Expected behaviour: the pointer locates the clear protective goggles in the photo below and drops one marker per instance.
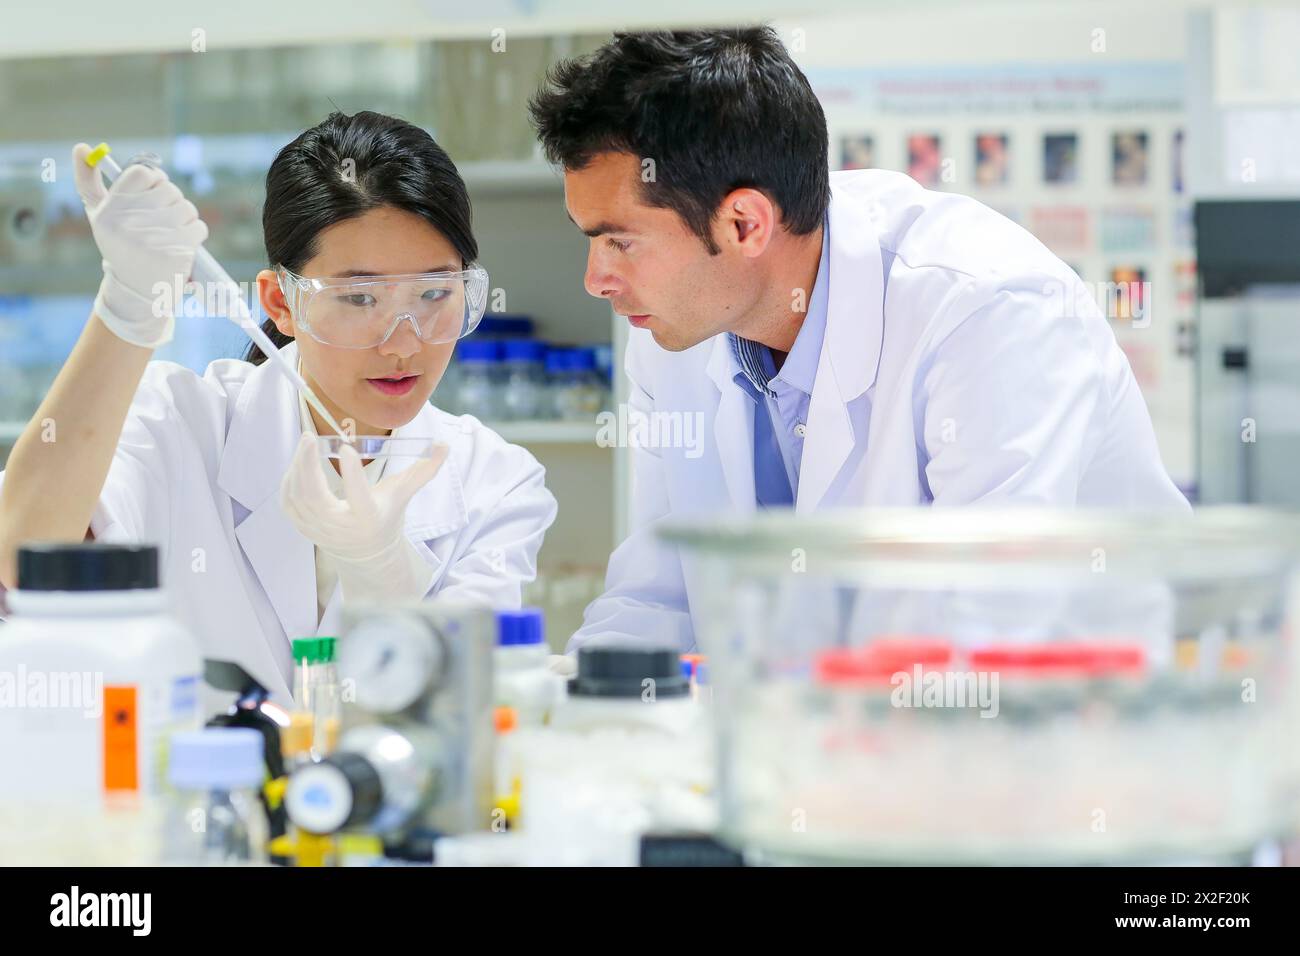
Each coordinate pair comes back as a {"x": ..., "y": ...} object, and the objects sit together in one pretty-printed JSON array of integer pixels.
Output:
[{"x": 363, "y": 312}]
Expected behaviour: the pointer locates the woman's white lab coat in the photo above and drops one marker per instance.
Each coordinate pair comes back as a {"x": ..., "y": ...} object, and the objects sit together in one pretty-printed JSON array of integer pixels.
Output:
[{"x": 197, "y": 471}]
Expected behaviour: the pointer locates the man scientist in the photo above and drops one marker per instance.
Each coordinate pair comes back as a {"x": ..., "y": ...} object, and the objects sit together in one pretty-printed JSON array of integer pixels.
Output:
[{"x": 845, "y": 339}]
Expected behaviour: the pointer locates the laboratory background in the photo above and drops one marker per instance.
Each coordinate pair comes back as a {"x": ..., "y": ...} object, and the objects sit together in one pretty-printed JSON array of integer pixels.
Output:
[
  {"x": 1154, "y": 147},
  {"x": 1096, "y": 126}
]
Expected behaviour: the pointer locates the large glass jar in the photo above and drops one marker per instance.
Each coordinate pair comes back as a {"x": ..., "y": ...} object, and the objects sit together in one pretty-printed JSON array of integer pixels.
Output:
[{"x": 982, "y": 686}]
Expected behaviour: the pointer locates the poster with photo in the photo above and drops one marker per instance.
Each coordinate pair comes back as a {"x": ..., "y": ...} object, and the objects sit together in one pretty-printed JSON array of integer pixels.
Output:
[
  {"x": 1129, "y": 157},
  {"x": 1063, "y": 229},
  {"x": 924, "y": 158},
  {"x": 992, "y": 159},
  {"x": 1061, "y": 158},
  {"x": 857, "y": 152},
  {"x": 1129, "y": 283},
  {"x": 1127, "y": 229}
]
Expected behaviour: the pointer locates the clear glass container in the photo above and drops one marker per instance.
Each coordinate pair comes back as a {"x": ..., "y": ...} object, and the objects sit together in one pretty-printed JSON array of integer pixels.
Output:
[
  {"x": 376, "y": 446},
  {"x": 559, "y": 376},
  {"x": 983, "y": 686},
  {"x": 595, "y": 395},
  {"x": 523, "y": 391},
  {"x": 478, "y": 387},
  {"x": 576, "y": 391},
  {"x": 215, "y": 815}
]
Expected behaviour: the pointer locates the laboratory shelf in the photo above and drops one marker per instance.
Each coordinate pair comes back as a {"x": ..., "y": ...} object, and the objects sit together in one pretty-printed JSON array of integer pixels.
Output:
[{"x": 510, "y": 177}]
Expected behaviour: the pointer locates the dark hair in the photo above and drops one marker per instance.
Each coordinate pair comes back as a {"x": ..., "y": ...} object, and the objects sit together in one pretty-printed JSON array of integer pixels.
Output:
[
  {"x": 716, "y": 110},
  {"x": 346, "y": 166}
]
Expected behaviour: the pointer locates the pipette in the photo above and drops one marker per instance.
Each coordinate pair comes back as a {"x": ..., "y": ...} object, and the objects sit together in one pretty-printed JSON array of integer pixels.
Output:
[{"x": 208, "y": 272}]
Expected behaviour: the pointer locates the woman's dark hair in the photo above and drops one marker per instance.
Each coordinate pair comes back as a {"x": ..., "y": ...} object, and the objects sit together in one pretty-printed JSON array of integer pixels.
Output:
[
  {"x": 716, "y": 110},
  {"x": 346, "y": 166}
]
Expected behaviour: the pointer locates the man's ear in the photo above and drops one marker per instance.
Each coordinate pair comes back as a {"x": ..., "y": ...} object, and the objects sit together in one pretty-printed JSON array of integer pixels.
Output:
[
  {"x": 747, "y": 219},
  {"x": 273, "y": 303}
]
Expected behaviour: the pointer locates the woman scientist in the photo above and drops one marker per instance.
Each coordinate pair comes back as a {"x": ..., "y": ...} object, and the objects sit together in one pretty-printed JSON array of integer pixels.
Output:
[{"x": 367, "y": 227}]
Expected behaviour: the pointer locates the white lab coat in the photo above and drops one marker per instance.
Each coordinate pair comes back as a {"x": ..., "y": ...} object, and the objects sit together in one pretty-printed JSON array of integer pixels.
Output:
[
  {"x": 198, "y": 468},
  {"x": 962, "y": 363}
]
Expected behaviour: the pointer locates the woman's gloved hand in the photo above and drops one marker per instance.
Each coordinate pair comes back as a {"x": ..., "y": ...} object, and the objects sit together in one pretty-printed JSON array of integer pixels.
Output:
[
  {"x": 147, "y": 233},
  {"x": 565, "y": 665},
  {"x": 362, "y": 531}
]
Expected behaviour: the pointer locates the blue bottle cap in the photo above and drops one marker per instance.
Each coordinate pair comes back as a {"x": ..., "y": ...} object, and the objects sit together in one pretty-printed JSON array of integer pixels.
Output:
[
  {"x": 559, "y": 360},
  {"x": 499, "y": 323},
  {"x": 523, "y": 350},
  {"x": 524, "y": 626},
  {"x": 478, "y": 350}
]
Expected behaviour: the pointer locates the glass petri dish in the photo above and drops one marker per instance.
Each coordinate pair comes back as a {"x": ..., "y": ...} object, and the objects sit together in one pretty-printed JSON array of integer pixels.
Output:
[{"x": 370, "y": 447}]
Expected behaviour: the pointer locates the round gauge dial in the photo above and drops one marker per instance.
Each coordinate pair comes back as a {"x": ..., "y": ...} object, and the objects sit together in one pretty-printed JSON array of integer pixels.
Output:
[{"x": 391, "y": 662}]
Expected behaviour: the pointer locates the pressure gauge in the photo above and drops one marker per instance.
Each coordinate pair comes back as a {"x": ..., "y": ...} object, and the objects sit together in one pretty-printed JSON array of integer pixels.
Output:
[{"x": 391, "y": 661}]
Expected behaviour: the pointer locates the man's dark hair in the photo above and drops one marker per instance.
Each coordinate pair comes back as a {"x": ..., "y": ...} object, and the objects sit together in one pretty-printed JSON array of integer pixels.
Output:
[{"x": 716, "y": 110}]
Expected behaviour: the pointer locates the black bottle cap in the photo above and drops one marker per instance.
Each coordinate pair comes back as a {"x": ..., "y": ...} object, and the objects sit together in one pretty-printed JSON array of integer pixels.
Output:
[
  {"x": 87, "y": 566},
  {"x": 367, "y": 789},
  {"x": 687, "y": 849},
  {"x": 621, "y": 670}
]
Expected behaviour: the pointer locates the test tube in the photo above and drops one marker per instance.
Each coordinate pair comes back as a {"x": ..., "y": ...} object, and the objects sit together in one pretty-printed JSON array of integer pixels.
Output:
[
  {"x": 325, "y": 699},
  {"x": 298, "y": 738}
]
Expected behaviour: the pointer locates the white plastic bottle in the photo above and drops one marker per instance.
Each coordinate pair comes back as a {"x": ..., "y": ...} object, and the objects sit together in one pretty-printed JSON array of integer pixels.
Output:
[
  {"x": 95, "y": 676},
  {"x": 523, "y": 681},
  {"x": 626, "y": 752},
  {"x": 635, "y": 685}
]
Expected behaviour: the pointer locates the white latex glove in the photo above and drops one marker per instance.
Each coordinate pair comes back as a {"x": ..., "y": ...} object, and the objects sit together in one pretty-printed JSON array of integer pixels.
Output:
[
  {"x": 147, "y": 233},
  {"x": 362, "y": 531},
  {"x": 564, "y": 665}
]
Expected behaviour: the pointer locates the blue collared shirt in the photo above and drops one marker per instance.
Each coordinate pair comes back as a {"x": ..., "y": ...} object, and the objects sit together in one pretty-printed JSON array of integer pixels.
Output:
[{"x": 781, "y": 399}]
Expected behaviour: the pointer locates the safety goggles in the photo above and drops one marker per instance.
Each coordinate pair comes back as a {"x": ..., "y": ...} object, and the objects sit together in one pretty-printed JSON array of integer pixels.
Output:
[{"x": 363, "y": 312}]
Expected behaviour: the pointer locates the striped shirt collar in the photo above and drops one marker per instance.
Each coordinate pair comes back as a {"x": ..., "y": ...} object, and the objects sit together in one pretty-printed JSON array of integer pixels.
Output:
[
  {"x": 755, "y": 360},
  {"x": 756, "y": 365}
]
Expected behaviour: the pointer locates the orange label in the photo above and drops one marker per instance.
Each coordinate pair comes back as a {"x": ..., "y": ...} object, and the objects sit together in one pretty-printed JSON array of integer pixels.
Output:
[{"x": 121, "y": 731}]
